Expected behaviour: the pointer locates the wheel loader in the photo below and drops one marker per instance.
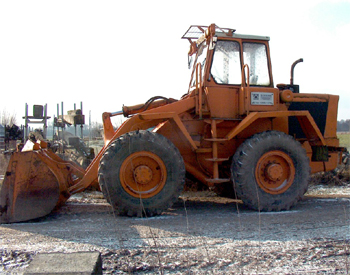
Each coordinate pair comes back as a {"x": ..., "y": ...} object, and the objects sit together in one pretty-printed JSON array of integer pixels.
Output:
[{"x": 233, "y": 130}]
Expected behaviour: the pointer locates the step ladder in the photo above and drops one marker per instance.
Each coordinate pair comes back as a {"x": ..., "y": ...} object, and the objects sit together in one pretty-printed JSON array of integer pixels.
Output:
[{"x": 214, "y": 159}]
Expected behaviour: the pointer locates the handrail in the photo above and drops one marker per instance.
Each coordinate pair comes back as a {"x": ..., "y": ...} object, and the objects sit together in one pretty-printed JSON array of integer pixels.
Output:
[
  {"x": 198, "y": 87},
  {"x": 244, "y": 78},
  {"x": 198, "y": 75}
]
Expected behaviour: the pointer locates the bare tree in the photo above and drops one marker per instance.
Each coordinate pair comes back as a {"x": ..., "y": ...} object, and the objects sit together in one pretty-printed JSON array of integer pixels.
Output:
[
  {"x": 343, "y": 125},
  {"x": 7, "y": 118},
  {"x": 96, "y": 130},
  {"x": 117, "y": 121}
]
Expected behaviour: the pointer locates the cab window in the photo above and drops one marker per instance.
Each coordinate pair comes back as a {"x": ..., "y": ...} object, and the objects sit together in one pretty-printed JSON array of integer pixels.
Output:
[
  {"x": 201, "y": 59},
  {"x": 226, "y": 65},
  {"x": 227, "y": 68},
  {"x": 254, "y": 54}
]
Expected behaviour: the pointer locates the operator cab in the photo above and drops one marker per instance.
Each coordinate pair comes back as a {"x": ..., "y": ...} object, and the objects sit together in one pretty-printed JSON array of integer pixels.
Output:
[
  {"x": 225, "y": 65},
  {"x": 230, "y": 52}
]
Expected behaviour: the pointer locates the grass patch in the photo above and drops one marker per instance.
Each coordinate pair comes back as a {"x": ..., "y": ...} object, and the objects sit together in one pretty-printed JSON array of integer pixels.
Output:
[{"x": 344, "y": 140}]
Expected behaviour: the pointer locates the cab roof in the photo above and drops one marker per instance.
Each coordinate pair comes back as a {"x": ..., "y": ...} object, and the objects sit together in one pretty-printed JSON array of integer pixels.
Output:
[{"x": 194, "y": 32}]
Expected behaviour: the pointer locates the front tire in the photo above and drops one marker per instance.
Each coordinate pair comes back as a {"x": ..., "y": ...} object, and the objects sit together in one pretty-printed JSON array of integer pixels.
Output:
[
  {"x": 141, "y": 174},
  {"x": 270, "y": 171}
]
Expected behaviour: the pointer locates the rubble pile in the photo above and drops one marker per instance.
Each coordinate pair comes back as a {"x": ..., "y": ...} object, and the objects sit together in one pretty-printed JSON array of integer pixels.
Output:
[{"x": 337, "y": 177}]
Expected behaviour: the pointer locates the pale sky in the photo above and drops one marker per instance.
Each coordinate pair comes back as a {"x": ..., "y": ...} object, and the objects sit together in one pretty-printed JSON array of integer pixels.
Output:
[{"x": 110, "y": 53}]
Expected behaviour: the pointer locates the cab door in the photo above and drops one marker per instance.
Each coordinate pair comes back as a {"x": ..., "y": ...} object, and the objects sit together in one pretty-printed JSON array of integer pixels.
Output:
[
  {"x": 224, "y": 79},
  {"x": 257, "y": 92}
]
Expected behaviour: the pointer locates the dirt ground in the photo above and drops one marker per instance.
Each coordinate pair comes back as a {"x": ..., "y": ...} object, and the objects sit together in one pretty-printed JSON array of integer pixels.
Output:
[{"x": 200, "y": 234}]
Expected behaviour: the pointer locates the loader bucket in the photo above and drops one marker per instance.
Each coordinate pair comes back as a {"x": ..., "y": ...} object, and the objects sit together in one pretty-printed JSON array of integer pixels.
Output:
[{"x": 35, "y": 183}]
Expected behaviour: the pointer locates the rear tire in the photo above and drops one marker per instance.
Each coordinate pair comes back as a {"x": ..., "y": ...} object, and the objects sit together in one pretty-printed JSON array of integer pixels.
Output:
[
  {"x": 270, "y": 171},
  {"x": 141, "y": 174}
]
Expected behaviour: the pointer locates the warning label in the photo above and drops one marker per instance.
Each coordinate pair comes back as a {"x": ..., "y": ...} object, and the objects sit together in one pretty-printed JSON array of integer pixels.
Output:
[{"x": 260, "y": 98}]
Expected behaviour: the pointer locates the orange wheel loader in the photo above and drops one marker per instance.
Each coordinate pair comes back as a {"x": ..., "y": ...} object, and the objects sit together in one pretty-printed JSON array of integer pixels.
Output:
[{"x": 233, "y": 130}]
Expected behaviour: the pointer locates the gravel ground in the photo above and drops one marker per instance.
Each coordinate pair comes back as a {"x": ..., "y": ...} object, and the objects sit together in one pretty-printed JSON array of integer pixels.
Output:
[{"x": 201, "y": 234}]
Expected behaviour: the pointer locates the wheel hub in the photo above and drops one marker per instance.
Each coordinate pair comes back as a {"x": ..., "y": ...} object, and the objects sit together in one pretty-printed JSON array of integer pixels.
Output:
[
  {"x": 274, "y": 171},
  {"x": 143, "y": 174}
]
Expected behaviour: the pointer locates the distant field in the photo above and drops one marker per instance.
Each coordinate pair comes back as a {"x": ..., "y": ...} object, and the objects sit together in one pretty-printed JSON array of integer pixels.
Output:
[{"x": 344, "y": 139}]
